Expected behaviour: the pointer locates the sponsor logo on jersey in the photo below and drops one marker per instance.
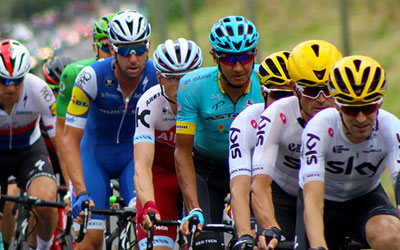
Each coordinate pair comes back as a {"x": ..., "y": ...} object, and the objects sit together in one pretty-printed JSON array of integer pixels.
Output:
[
  {"x": 253, "y": 124},
  {"x": 218, "y": 105},
  {"x": 347, "y": 168},
  {"x": 53, "y": 109},
  {"x": 330, "y": 132},
  {"x": 262, "y": 123},
  {"x": 283, "y": 117},
  {"x": 141, "y": 117},
  {"x": 222, "y": 116},
  {"x": 221, "y": 128},
  {"x": 234, "y": 146},
  {"x": 338, "y": 149},
  {"x": 167, "y": 137},
  {"x": 46, "y": 93},
  {"x": 79, "y": 104},
  {"x": 292, "y": 162},
  {"x": 293, "y": 147},
  {"x": 152, "y": 98},
  {"x": 249, "y": 102},
  {"x": 109, "y": 82},
  {"x": 310, "y": 152},
  {"x": 83, "y": 78},
  {"x": 217, "y": 96},
  {"x": 109, "y": 95},
  {"x": 188, "y": 128}
]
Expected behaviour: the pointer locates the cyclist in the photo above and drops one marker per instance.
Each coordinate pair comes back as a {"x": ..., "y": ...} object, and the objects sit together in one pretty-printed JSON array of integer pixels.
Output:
[
  {"x": 24, "y": 99},
  {"x": 208, "y": 100},
  {"x": 274, "y": 76},
  {"x": 345, "y": 152},
  {"x": 99, "y": 131},
  {"x": 276, "y": 157},
  {"x": 101, "y": 49},
  {"x": 155, "y": 140}
]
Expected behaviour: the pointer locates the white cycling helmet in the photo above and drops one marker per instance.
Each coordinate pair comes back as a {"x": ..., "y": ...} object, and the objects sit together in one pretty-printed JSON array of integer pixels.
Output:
[
  {"x": 15, "y": 60},
  {"x": 176, "y": 56},
  {"x": 128, "y": 26}
]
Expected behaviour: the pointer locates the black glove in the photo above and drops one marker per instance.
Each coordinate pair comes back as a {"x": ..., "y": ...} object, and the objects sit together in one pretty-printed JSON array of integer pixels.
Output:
[
  {"x": 245, "y": 242},
  {"x": 270, "y": 234},
  {"x": 318, "y": 248}
]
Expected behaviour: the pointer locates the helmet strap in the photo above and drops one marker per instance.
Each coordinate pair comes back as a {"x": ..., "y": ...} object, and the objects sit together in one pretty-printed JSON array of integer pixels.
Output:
[
  {"x": 165, "y": 95},
  {"x": 301, "y": 107}
]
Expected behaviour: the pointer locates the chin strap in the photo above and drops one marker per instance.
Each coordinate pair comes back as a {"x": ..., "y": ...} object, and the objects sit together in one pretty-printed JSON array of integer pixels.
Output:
[{"x": 166, "y": 97}]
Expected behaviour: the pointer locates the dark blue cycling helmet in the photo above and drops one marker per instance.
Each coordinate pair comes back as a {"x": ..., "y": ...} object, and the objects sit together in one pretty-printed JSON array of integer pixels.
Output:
[{"x": 233, "y": 34}]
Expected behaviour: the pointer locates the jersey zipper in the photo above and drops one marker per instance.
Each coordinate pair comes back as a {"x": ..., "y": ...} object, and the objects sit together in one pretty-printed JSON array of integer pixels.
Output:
[
  {"x": 123, "y": 115},
  {"x": 11, "y": 134}
]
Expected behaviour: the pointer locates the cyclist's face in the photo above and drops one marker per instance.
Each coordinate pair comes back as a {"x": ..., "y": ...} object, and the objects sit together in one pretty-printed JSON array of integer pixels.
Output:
[
  {"x": 102, "y": 48},
  {"x": 10, "y": 94},
  {"x": 170, "y": 84},
  {"x": 357, "y": 127},
  {"x": 276, "y": 92},
  {"x": 312, "y": 106},
  {"x": 237, "y": 68},
  {"x": 132, "y": 65}
]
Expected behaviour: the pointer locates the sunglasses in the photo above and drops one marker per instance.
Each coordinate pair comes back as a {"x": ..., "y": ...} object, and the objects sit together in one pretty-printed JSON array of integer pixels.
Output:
[
  {"x": 172, "y": 77},
  {"x": 313, "y": 92},
  {"x": 126, "y": 51},
  {"x": 8, "y": 82},
  {"x": 353, "y": 110},
  {"x": 231, "y": 60},
  {"x": 279, "y": 93},
  {"x": 104, "y": 47}
]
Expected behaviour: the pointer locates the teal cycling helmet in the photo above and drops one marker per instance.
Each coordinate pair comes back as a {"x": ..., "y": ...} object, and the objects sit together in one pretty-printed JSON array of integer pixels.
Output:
[
  {"x": 100, "y": 29},
  {"x": 233, "y": 34}
]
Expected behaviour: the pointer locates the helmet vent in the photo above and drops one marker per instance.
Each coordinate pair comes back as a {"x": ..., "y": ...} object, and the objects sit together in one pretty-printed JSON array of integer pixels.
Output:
[
  {"x": 219, "y": 32},
  {"x": 250, "y": 30},
  {"x": 240, "y": 30},
  {"x": 237, "y": 45},
  {"x": 376, "y": 79},
  {"x": 283, "y": 65},
  {"x": 229, "y": 30},
  {"x": 315, "y": 48},
  {"x": 319, "y": 74},
  {"x": 263, "y": 72},
  {"x": 357, "y": 88},
  {"x": 357, "y": 64},
  {"x": 365, "y": 76},
  {"x": 273, "y": 67},
  {"x": 340, "y": 83},
  {"x": 286, "y": 54}
]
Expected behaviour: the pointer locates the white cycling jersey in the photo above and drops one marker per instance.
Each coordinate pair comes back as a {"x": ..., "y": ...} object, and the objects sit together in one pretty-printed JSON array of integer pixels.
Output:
[
  {"x": 277, "y": 152},
  {"x": 242, "y": 140},
  {"x": 156, "y": 124},
  {"x": 348, "y": 170},
  {"x": 20, "y": 128}
]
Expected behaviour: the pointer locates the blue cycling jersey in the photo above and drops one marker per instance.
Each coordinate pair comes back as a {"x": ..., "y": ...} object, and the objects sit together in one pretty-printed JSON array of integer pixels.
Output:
[
  {"x": 206, "y": 111},
  {"x": 99, "y": 106}
]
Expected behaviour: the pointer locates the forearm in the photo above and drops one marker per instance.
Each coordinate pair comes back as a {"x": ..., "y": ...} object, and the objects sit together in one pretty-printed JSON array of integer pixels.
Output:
[
  {"x": 187, "y": 179},
  {"x": 143, "y": 179},
  {"x": 240, "y": 204},
  {"x": 314, "y": 213},
  {"x": 56, "y": 140},
  {"x": 262, "y": 201}
]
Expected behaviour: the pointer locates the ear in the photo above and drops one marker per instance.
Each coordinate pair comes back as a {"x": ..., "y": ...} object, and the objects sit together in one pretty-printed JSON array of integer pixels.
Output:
[
  {"x": 212, "y": 52},
  {"x": 95, "y": 50},
  {"x": 159, "y": 77}
]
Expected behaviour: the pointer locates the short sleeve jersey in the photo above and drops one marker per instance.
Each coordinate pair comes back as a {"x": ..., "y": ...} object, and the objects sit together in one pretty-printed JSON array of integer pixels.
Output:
[
  {"x": 155, "y": 123},
  {"x": 20, "y": 129},
  {"x": 99, "y": 106},
  {"x": 242, "y": 140},
  {"x": 277, "y": 151},
  {"x": 206, "y": 111},
  {"x": 67, "y": 80},
  {"x": 348, "y": 170}
]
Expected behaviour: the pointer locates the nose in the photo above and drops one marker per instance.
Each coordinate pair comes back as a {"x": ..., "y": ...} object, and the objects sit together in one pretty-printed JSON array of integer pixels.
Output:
[
  {"x": 11, "y": 88},
  {"x": 238, "y": 66},
  {"x": 321, "y": 97},
  {"x": 133, "y": 58},
  {"x": 360, "y": 117}
]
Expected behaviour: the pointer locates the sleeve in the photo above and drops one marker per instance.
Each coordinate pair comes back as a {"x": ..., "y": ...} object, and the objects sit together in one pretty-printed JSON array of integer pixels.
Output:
[
  {"x": 46, "y": 103},
  {"x": 188, "y": 100},
  {"x": 83, "y": 93},
  {"x": 392, "y": 132},
  {"x": 242, "y": 136},
  {"x": 145, "y": 120},
  {"x": 64, "y": 94},
  {"x": 313, "y": 140},
  {"x": 269, "y": 131}
]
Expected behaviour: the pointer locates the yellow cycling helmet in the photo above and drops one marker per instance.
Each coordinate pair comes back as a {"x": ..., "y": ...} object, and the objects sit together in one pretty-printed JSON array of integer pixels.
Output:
[
  {"x": 273, "y": 70},
  {"x": 357, "y": 79},
  {"x": 311, "y": 61}
]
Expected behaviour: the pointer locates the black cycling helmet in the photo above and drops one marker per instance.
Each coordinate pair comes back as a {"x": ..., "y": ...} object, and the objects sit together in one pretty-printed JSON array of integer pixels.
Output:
[{"x": 53, "y": 68}]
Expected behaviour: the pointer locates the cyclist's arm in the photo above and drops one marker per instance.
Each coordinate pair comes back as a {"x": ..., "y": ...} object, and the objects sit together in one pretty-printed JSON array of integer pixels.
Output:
[
  {"x": 185, "y": 170},
  {"x": 60, "y": 124},
  {"x": 313, "y": 194},
  {"x": 72, "y": 138},
  {"x": 143, "y": 179},
  {"x": 240, "y": 200}
]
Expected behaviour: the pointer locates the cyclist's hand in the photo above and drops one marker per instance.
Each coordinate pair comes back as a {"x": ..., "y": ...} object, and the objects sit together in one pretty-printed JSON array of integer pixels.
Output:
[
  {"x": 77, "y": 206},
  {"x": 146, "y": 221},
  {"x": 245, "y": 242},
  {"x": 268, "y": 238},
  {"x": 184, "y": 228}
]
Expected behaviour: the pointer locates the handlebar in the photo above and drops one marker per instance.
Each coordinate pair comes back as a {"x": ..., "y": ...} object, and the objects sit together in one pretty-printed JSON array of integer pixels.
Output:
[
  {"x": 32, "y": 201},
  {"x": 83, "y": 229}
]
